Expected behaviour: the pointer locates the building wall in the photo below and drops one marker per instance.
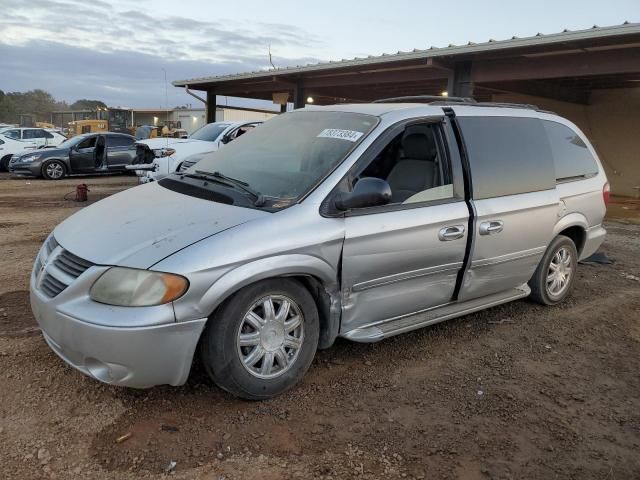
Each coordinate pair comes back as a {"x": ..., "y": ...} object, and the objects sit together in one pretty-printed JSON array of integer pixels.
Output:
[
  {"x": 233, "y": 115},
  {"x": 611, "y": 121},
  {"x": 191, "y": 120}
]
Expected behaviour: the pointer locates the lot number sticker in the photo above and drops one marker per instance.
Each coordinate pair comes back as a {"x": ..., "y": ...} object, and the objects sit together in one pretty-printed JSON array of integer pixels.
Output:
[{"x": 349, "y": 135}]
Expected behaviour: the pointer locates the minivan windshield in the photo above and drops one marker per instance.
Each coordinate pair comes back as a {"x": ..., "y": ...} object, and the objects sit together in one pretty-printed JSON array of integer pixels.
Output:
[
  {"x": 289, "y": 154},
  {"x": 210, "y": 132}
]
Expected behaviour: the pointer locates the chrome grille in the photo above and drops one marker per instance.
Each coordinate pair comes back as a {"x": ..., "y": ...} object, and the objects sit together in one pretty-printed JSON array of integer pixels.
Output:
[
  {"x": 59, "y": 273},
  {"x": 71, "y": 264},
  {"x": 51, "y": 286},
  {"x": 50, "y": 246}
]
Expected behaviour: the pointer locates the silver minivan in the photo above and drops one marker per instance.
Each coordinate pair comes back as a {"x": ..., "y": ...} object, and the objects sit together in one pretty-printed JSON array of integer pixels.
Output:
[{"x": 355, "y": 221}]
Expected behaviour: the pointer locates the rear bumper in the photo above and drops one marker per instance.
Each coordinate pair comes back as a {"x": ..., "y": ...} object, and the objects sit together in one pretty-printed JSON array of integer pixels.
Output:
[
  {"x": 138, "y": 357},
  {"x": 593, "y": 240}
]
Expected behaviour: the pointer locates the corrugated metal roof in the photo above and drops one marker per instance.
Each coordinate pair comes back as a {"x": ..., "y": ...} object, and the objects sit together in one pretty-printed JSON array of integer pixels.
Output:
[{"x": 626, "y": 28}]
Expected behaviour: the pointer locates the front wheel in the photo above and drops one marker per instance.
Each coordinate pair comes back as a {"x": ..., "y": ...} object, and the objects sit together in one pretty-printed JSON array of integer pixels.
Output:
[
  {"x": 53, "y": 170},
  {"x": 262, "y": 341},
  {"x": 556, "y": 272}
]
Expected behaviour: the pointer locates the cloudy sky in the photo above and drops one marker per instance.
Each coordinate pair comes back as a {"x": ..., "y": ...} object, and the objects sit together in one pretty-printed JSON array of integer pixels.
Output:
[{"x": 119, "y": 50}]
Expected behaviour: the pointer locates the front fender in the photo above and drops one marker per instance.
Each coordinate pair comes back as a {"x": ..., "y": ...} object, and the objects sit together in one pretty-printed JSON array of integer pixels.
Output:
[{"x": 278, "y": 266}]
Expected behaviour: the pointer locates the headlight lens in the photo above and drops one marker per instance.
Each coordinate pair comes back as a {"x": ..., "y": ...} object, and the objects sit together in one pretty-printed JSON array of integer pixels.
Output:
[
  {"x": 163, "y": 152},
  {"x": 128, "y": 287},
  {"x": 30, "y": 158}
]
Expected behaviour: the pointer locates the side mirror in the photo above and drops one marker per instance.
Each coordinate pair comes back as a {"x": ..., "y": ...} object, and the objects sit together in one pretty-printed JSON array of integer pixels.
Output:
[
  {"x": 225, "y": 139},
  {"x": 368, "y": 192}
]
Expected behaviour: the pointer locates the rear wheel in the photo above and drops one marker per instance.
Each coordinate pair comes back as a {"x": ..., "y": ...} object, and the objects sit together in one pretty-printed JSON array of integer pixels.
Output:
[
  {"x": 261, "y": 342},
  {"x": 53, "y": 170},
  {"x": 556, "y": 272},
  {"x": 4, "y": 163}
]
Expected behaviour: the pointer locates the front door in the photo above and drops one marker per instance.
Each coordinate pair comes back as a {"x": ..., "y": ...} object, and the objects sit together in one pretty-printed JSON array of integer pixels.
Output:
[
  {"x": 514, "y": 198},
  {"x": 83, "y": 156},
  {"x": 404, "y": 257}
]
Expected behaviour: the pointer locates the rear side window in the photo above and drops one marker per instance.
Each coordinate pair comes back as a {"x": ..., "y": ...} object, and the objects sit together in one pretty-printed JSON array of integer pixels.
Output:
[
  {"x": 114, "y": 141},
  {"x": 15, "y": 134},
  {"x": 571, "y": 155},
  {"x": 507, "y": 155}
]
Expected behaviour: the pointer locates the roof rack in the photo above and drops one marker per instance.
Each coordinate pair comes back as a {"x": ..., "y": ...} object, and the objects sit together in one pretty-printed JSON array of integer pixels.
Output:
[
  {"x": 508, "y": 105},
  {"x": 426, "y": 99}
]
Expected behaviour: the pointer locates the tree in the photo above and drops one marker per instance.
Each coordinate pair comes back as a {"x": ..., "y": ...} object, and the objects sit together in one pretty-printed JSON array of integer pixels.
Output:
[
  {"x": 36, "y": 102},
  {"x": 86, "y": 104}
]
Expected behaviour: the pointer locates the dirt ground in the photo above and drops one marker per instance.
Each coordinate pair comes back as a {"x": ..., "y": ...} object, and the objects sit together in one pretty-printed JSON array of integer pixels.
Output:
[{"x": 515, "y": 392}]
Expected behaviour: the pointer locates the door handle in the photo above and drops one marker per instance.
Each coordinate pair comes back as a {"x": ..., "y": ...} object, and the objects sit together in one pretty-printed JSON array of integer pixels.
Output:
[
  {"x": 451, "y": 233},
  {"x": 489, "y": 228}
]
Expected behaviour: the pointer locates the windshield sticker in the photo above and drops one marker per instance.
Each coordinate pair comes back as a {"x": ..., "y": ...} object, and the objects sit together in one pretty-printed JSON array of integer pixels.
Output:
[{"x": 349, "y": 135}]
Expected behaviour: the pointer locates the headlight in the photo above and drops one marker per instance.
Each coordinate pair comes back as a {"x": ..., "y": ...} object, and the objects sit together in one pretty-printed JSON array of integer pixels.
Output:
[
  {"x": 163, "y": 152},
  {"x": 30, "y": 158},
  {"x": 128, "y": 287}
]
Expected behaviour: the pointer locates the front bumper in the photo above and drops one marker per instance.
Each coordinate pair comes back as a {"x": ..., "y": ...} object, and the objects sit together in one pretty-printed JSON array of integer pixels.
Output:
[
  {"x": 139, "y": 356},
  {"x": 32, "y": 168}
]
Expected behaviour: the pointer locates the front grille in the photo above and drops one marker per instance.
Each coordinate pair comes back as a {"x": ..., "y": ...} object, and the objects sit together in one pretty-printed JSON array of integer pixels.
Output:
[
  {"x": 60, "y": 271},
  {"x": 71, "y": 264},
  {"x": 50, "y": 246},
  {"x": 51, "y": 286}
]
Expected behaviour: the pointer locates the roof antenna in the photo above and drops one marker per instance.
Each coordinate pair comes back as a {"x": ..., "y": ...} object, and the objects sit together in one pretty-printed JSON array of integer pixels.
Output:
[{"x": 271, "y": 59}]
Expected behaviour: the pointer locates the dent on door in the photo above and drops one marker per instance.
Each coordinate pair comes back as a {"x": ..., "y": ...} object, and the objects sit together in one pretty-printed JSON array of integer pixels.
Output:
[{"x": 396, "y": 263}]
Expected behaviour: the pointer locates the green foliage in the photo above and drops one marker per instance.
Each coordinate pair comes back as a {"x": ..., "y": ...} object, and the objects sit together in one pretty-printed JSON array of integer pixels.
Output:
[
  {"x": 86, "y": 104},
  {"x": 39, "y": 104}
]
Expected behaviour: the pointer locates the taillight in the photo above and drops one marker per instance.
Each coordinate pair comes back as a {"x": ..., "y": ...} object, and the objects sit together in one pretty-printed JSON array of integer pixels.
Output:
[{"x": 606, "y": 192}]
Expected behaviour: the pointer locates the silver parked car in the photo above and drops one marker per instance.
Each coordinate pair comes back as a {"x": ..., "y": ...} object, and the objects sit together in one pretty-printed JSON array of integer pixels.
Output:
[{"x": 355, "y": 221}]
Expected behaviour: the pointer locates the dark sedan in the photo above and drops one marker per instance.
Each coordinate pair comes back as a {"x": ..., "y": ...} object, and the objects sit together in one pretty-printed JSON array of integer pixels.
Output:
[{"x": 88, "y": 153}]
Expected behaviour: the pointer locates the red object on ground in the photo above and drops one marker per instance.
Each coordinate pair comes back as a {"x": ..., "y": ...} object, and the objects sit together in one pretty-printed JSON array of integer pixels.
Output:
[{"x": 81, "y": 192}]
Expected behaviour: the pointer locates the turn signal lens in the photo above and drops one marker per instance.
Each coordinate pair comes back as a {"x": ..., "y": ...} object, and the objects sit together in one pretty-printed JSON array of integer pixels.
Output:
[{"x": 128, "y": 287}]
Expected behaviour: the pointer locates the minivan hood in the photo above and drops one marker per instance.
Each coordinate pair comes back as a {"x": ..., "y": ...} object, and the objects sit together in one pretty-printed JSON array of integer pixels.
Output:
[{"x": 142, "y": 225}]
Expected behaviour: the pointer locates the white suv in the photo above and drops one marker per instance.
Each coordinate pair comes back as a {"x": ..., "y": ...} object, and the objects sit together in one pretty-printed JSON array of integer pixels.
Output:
[
  {"x": 163, "y": 156},
  {"x": 17, "y": 140}
]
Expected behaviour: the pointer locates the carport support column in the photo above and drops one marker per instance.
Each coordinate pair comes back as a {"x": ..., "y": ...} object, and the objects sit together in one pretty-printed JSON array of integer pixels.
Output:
[
  {"x": 211, "y": 106},
  {"x": 299, "y": 99},
  {"x": 460, "y": 82}
]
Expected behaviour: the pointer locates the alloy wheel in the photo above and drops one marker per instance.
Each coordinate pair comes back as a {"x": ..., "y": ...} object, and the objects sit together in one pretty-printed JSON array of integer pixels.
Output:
[
  {"x": 559, "y": 272},
  {"x": 54, "y": 170},
  {"x": 270, "y": 336}
]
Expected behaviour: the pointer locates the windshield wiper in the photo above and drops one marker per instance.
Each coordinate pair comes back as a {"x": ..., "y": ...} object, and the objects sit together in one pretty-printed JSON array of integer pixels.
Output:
[{"x": 229, "y": 181}]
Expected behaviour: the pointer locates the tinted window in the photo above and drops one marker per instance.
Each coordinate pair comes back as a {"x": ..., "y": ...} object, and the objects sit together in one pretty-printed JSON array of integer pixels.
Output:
[
  {"x": 15, "y": 134},
  {"x": 46, "y": 134},
  {"x": 87, "y": 143},
  {"x": 29, "y": 134},
  {"x": 508, "y": 155},
  {"x": 571, "y": 155},
  {"x": 114, "y": 141}
]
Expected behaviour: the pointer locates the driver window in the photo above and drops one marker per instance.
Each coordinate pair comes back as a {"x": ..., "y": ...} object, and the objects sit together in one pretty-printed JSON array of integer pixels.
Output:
[
  {"x": 87, "y": 143},
  {"x": 241, "y": 131},
  {"x": 414, "y": 166}
]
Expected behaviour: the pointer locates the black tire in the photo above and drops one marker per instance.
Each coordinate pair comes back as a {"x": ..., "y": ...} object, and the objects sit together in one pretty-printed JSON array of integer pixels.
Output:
[
  {"x": 221, "y": 354},
  {"x": 4, "y": 163},
  {"x": 57, "y": 165},
  {"x": 541, "y": 292}
]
